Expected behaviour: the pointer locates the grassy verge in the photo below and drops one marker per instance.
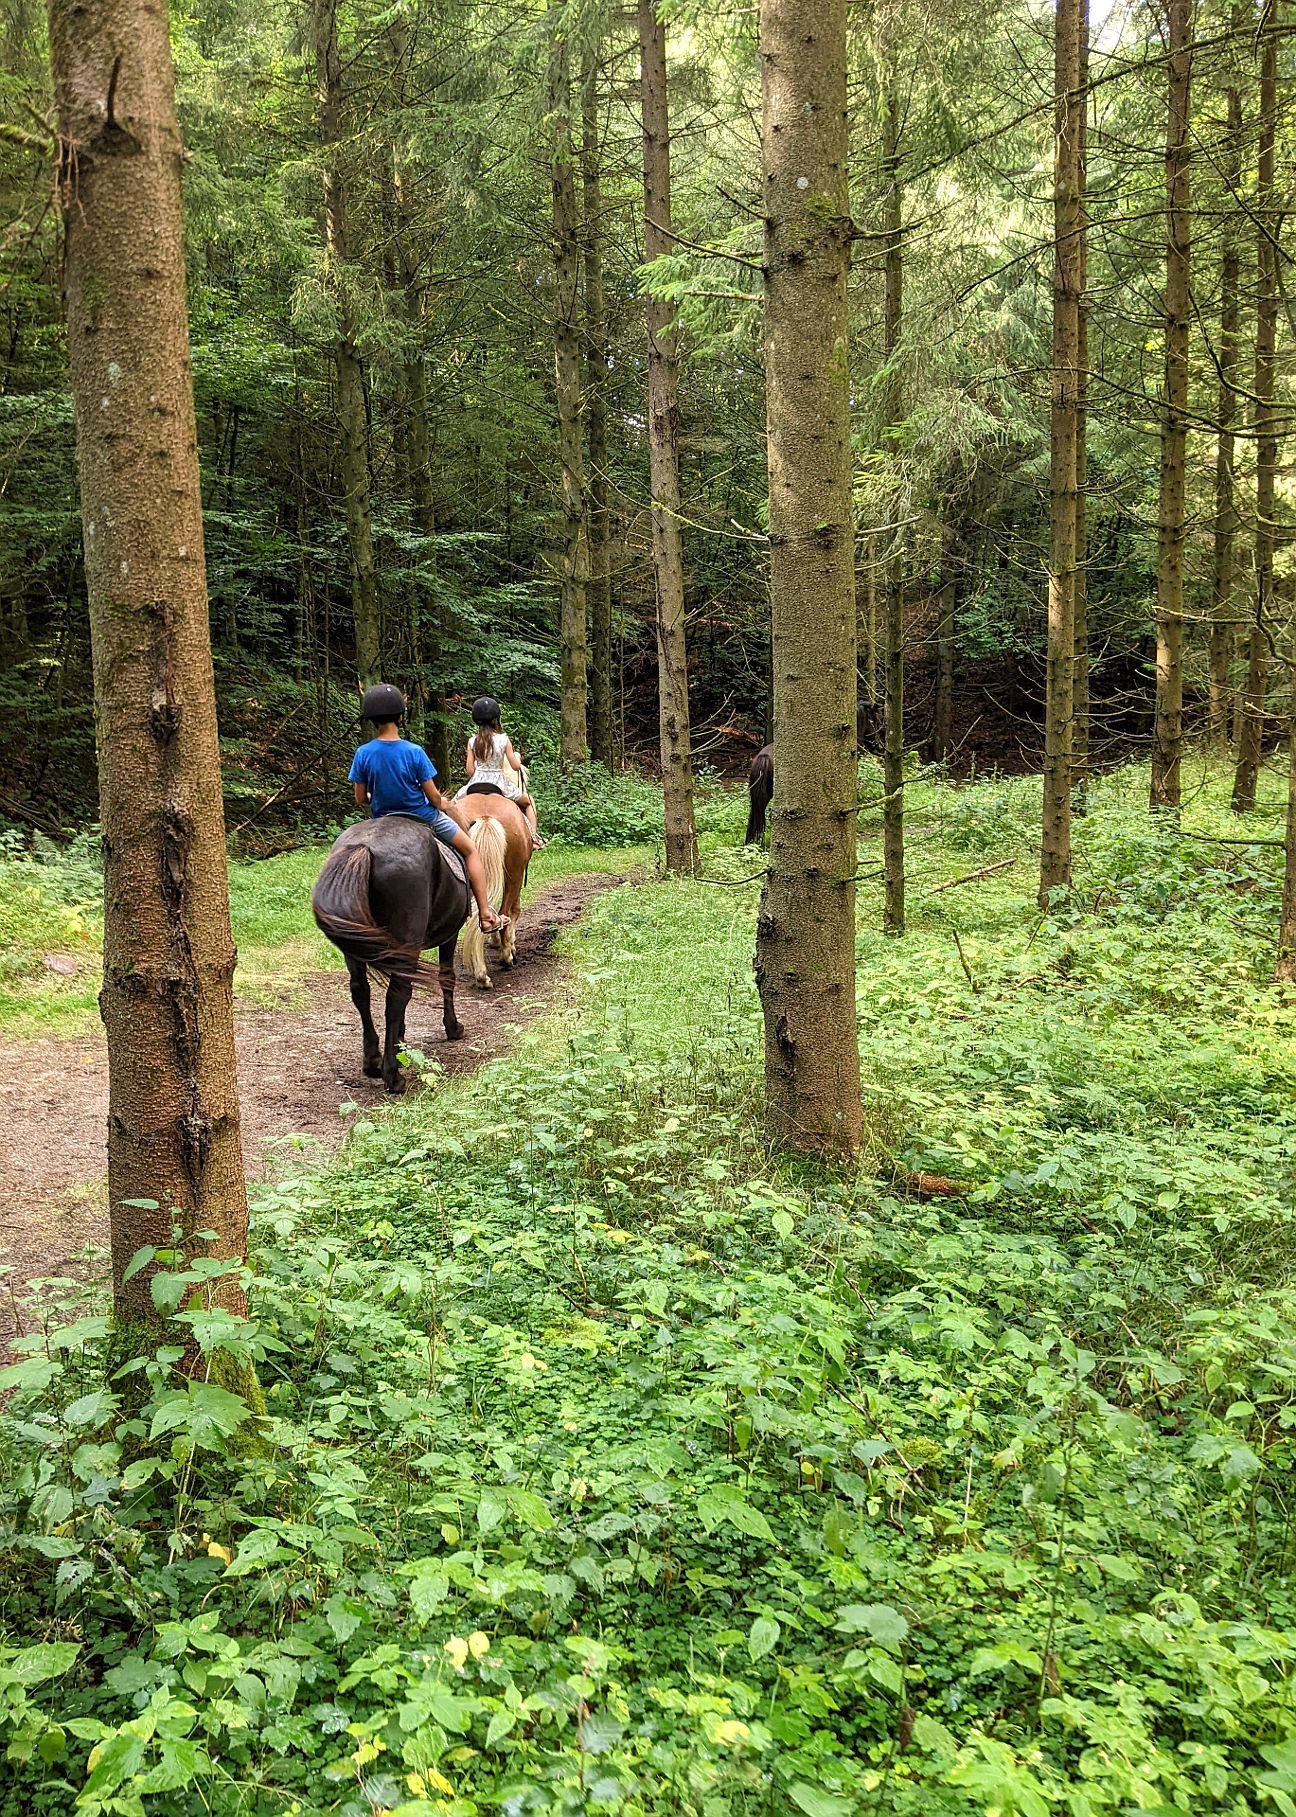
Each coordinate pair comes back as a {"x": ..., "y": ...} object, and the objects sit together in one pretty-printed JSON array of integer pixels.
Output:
[
  {"x": 617, "y": 1465},
  {"x": 50, "y": 909}
]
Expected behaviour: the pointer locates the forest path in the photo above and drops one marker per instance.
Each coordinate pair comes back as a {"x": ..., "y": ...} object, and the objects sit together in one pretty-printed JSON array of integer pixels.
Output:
[{"x": 296, "y": 1064}]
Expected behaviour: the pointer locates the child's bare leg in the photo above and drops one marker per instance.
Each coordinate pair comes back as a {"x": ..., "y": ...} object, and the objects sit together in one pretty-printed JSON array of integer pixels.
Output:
[
  {"x": 528, "y": 807},
  {"x": 476, "y": 880}
]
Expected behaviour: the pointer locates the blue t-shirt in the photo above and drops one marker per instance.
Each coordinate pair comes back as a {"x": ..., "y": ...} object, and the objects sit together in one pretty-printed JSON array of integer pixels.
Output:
[{"x": 394, "y": 771}]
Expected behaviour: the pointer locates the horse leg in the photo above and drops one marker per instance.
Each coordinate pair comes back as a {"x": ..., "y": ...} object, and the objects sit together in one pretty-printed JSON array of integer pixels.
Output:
[
  {"x": 358, "y": 973},
  {"x": 512, "y": 907},
  {"x": 445, "y": 967},
  {"x": 399, "y": 992}
]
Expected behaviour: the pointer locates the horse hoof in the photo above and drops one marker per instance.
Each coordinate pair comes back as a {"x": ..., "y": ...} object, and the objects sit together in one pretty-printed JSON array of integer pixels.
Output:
[
  {"x": 396, "y": 1085},
  {"x": 483, "y": 984},
  {"x": 373, "y": 1069},
  {"x": 454, "y": 1031}
]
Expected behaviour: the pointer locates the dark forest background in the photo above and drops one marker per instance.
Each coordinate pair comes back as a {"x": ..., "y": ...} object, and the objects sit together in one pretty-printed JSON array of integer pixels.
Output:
[{"x": 446, "y": 152}]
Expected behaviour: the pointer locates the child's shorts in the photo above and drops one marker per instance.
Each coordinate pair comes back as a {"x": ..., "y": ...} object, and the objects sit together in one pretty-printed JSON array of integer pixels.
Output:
[{"x": 445, "y": 829}]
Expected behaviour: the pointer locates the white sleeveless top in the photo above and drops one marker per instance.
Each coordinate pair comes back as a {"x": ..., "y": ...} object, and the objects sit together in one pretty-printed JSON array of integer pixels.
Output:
[{"x": 496, "y": 769}]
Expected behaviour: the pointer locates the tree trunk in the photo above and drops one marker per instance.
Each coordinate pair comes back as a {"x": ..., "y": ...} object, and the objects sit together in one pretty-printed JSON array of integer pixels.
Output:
[
  {"x": 943, "y": 706},
  {"x": 428, "y": 646},
  {"x": 805, "y": 940},
  {"x": 1167, "y": 736},
  {"x": 173, "y": 1111},
  {"x": 231, "y": 458},
  {"x": 567, "y": 374},
  {"x": 353, "y": 424},
  {"x": 1068, "y": 231},
  {"x": 1226, "y": 513},
  {"x": 1285, "y": 968},
  {"x": 1251, "y": 740},
  {"x": 663, "y": 427},
  {"x": 893, "y": 639},
  {"x": 305, "y": 627},
  {"x": 868, "y": 625},
  {"x": 1080, "y": 601},
  {"x": 596, "y": 367},
  {"x": 429, "y": 660}
]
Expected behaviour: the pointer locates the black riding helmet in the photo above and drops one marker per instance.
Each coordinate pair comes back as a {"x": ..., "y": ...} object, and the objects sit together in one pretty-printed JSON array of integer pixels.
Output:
[
  {"x": 486, "y": 711},
  {"x": 382, "y": 702}
]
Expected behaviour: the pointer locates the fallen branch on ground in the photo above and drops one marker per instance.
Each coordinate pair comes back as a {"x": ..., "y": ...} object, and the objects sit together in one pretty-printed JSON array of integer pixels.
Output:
[
  {"x": 933, "y": 1185},
  {"x": 44, "y": 823},
  {"x": 987, "y": 870},
  {"x": 1225, "y": 839}
]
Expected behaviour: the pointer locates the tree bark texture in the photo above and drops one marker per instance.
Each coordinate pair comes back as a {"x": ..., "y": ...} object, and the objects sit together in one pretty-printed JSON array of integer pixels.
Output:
[
  {"x": 173, "y": 1112},
  {"x": 943, "y": 705},
  {"x": 574, "y": 570},
  {"x": 1080, "y": 603},
  {"x": 1251, "y": 730},
  {"x": 1068, "y": 231},
  {"x": 893, "y": 630},
  {"x": 353, "y": 424},
  {"x": 1285, "y": 968},
  {"x": 805, "y": 941},
  {"x": 663, "y": 453},
  {"x": 426, "y": 630},
  {"x": 868, "y": 626},
  {"x": 1226, "y": 512},
  {"x": 1167, "y": 736},
  {"x": 426, "y": 639},
  {"x": 596, "y": 368}
]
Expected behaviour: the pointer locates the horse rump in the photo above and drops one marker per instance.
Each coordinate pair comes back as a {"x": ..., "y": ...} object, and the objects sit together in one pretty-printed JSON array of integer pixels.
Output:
[
  {"x": 340, "y": 901},
  {"x": 760, "y": 787}
]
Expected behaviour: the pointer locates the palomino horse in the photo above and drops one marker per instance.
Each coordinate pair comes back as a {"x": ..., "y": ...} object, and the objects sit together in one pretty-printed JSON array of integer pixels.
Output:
[
  {"x": 501, "y": 833},
  {"x": 388, "y": 890},
  {"x": 760, "y": 778}
]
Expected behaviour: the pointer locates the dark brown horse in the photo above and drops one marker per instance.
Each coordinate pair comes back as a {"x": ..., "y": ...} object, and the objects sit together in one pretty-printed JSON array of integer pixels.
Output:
[
  {"x": 760, "y": 778},
  {"x": 389, "y": 890}
]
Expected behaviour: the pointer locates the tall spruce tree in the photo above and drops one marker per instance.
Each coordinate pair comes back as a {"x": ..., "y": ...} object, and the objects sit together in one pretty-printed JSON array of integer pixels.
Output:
[
  {"x": 1068, "y": 265},
  {"x": 1226, "y": 509},
  {"x": 1264, "y": 416},
  {"x": 596, "y": 413},
  {"x": 680, "y": 835},
  {"x": 893, "y": 609},
  {"x": 805, "y": 942},
  {"x": 173, "y": 1109},
  {"x": 574, "y": 553},
  {"x": 1167, "y": 740},
  {"x": 352, "y": 410}
]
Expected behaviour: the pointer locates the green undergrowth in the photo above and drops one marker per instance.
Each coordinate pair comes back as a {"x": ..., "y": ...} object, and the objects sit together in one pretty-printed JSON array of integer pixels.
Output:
[{"x": 617, "y": 1466}]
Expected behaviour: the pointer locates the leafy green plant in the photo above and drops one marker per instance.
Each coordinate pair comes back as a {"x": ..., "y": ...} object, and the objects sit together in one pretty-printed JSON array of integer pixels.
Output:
[{"x": 608, "y": 1463}]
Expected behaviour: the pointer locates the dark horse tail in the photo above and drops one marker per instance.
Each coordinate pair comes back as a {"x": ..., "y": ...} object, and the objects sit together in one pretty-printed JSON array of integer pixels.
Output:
[
  {"x": 760, "y": 786},
  {"x": 340, "y": 900}
]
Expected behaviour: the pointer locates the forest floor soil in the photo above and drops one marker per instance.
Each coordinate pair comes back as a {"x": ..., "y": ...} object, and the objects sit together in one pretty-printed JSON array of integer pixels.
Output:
[{"x": 298, "y": 1063}]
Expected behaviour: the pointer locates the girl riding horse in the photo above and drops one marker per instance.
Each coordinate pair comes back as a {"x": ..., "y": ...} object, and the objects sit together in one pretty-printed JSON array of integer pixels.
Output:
[{"x": 494, "y": 767}]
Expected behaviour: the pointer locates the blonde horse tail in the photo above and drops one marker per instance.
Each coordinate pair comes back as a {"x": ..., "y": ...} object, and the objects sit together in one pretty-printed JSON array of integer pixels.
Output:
[{"x": 491, "y": 841}]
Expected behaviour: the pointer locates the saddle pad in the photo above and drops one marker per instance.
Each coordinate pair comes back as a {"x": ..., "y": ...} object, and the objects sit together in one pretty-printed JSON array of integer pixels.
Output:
[{"x": 453, "y": 863}]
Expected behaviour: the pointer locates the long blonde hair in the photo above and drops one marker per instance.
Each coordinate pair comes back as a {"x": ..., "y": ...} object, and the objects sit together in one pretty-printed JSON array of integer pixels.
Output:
[{"x": 483, "y": 743}]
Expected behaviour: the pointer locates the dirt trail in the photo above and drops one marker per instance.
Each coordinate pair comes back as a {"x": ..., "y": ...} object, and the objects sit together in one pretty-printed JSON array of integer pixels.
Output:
[{"x": 296, "y": 1066}]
